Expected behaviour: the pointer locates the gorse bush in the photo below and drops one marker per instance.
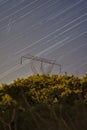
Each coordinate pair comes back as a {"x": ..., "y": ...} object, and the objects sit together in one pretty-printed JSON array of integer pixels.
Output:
[{"x": 44, "y": 102}]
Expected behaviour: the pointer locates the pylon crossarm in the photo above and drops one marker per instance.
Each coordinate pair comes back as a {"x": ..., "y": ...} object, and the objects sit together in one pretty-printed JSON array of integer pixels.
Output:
[
  {"x": 38, "y": 59},
  {"x": 48, "y": 68}
]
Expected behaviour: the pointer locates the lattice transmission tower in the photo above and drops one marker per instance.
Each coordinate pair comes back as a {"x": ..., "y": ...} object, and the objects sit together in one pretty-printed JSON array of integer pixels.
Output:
[{"x": 42, "y": 62}]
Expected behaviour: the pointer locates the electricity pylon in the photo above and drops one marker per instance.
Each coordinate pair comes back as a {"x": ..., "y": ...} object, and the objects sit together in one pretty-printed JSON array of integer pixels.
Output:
[{"x": 50, "y": 63}]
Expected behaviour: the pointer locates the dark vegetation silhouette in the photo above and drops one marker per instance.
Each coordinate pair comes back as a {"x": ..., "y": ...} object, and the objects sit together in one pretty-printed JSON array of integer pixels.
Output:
[{"x": 44, "y": 102}]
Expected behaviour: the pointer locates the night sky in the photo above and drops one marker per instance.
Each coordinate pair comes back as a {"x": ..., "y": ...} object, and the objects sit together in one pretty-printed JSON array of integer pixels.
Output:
[{"x": 52, "y": 29}]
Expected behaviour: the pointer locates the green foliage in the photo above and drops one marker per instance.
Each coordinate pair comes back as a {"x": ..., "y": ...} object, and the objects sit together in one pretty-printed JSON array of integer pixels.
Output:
[{"x": 43, "y": 102}]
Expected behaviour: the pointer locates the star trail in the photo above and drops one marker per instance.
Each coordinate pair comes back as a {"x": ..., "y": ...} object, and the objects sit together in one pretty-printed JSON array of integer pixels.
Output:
[{"x": 53, "y": 29}]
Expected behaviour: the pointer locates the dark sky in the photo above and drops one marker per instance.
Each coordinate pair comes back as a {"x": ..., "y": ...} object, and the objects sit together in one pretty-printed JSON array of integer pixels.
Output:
[{"x": 52, "y": 29}]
